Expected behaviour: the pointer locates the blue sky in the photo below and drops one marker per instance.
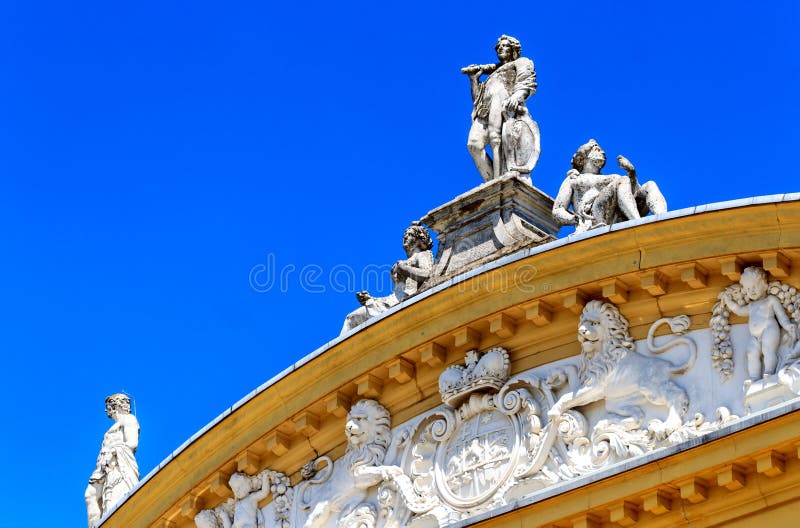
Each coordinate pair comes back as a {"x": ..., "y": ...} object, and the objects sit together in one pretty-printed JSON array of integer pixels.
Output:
[{"x": 153, "y": 153}]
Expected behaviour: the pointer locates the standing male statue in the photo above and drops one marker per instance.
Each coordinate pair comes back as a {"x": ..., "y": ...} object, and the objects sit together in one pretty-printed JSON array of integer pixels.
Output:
[
  {"x": 116, "y": 472},
  {"x": 500, "y": 118}
]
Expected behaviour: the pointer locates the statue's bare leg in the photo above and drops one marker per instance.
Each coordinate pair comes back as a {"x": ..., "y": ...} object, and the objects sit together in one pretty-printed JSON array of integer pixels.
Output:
[
  {"x": 754, "y": 366},
  {"x": 604, "y": 206},
  {"x": 770, "y": 342},
  {"x": 625, "y": 200},
  {"x": 496, "y": 135},
  {"x": 650, "y": 195},
  {"x": 476, "y": 143},
  {"x": 496, "y": 153},
  {"x": 92, "y": 496}
]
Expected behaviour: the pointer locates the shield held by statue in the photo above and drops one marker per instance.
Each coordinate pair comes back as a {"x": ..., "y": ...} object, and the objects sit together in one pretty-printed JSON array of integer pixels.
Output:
[{"x": 521, "y": 143}]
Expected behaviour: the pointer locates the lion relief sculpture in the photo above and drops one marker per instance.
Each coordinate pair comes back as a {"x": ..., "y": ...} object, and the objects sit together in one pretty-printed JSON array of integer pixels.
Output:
[
  {"x": 613, "y": 371},
  {"x": 336, "y": 494}
]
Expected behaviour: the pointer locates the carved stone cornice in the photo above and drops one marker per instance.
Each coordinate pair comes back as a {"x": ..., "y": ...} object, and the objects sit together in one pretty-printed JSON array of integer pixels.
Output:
[{"x": 528, "y": 290}]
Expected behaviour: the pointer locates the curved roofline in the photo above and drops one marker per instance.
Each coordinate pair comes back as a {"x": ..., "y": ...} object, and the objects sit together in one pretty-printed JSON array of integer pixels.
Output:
[{"x": 519, "y": 255}]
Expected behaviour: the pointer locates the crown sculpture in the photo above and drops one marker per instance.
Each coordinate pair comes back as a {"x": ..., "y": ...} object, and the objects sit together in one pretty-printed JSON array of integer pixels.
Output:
[{"x": 491, "y": 371}]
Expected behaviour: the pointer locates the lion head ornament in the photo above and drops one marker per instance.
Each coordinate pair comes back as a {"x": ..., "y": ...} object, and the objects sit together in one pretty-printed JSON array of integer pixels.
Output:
[
  {"x": 368, "y": 431},
  {"x": 603, "y": 335},
  {"x": 338, "y": 491},
  {"x": 612, "y": 370}
]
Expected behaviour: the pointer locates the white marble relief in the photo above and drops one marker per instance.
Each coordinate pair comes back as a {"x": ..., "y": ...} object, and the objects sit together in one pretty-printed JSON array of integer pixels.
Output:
[
  {"x": 771, "y": 348},
  {"x": 611, "y": 370},
  {"x": 337, "y": 494},
  {"x": 243, "y": 511},
  {"x": 498, "y": 438},
  {"x": 116, "y": 472}
]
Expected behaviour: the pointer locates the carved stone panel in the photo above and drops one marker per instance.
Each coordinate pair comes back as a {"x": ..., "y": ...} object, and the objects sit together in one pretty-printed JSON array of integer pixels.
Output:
[
  {"x": 471, "y": 466},
  {"x": 499, "y": 438}
]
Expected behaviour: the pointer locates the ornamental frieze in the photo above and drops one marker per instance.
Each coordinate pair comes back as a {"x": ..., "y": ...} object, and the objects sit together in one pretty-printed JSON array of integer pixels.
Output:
[{"x": 498, "y": 438}]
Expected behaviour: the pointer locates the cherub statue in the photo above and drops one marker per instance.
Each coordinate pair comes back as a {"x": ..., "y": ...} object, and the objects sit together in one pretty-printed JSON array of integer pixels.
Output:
[
  {"x": 248, "y": 492},
  {"x": 408, "y": 276},
  {"x": 242, "y": 511},
  {"x": 602, "y": 199},
  {"x": 766, "y": 318}
]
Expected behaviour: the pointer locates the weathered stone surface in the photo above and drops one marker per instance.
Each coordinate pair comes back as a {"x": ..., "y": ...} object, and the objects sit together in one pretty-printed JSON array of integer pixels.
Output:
[
  {"x": 500, "y": 118},
  {"x": 602, "y": 199},
  {"x": 492, "y": 220}
]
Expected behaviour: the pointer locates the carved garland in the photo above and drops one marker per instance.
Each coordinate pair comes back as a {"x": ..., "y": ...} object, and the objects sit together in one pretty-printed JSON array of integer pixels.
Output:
[
  {"x": 722, "y": 348},
  {"x": 498, "y": 438}
]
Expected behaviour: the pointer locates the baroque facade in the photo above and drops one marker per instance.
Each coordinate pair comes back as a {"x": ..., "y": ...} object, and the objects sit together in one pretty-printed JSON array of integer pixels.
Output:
[
  {"x": 656, "y": 387},
  {"x": 643, "y": 371}
]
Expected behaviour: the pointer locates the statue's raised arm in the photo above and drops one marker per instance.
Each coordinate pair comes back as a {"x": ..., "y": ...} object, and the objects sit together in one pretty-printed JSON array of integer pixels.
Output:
[{"x": 500, "y": 118}]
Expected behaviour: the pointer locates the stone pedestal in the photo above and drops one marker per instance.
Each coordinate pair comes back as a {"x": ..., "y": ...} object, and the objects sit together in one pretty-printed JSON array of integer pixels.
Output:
[
  {"x": 765, "y": 393},
  {"x": 497, "y": 218}
]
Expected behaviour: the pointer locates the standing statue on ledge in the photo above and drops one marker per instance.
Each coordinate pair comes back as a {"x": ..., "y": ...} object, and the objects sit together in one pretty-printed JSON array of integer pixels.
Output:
[
  {"x": 500, "y": 118},
  {"x": 602, "y": 199},
  {"x": 116, "y": 472},
  {"x": 408, "y": 276}
]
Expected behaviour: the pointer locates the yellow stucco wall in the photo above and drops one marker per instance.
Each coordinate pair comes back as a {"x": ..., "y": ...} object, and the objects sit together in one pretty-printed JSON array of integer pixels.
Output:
[{"x": 530, "y": 306}]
